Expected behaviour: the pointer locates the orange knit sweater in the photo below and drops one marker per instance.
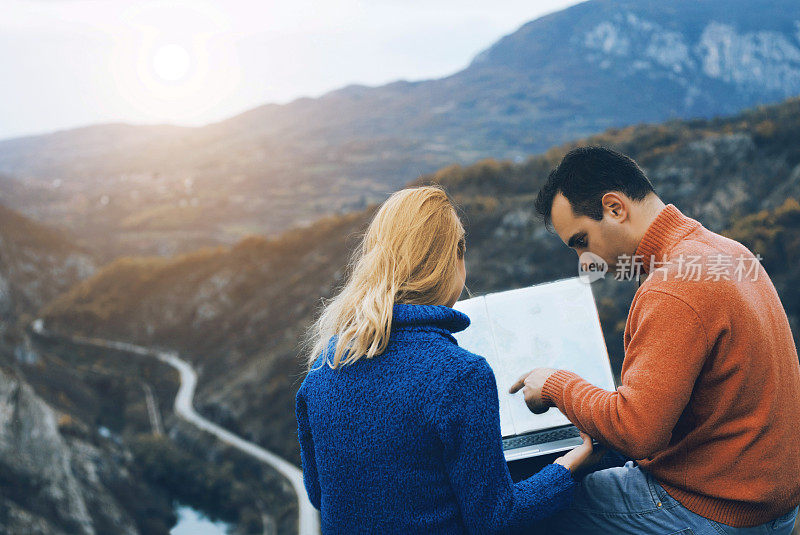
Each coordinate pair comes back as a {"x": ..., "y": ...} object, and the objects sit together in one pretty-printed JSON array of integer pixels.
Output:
[{"x": 709, "y": 401}]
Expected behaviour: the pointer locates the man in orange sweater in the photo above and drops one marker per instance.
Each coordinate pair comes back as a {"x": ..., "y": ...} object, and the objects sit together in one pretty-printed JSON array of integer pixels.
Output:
[{"x": 709, "y": 400}]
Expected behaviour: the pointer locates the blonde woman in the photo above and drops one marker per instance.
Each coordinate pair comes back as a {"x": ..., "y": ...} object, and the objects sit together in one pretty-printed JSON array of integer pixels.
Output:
[{"x": 399, "y": 427}]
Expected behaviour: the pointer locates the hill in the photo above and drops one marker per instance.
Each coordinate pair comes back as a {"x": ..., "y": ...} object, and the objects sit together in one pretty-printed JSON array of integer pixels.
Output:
[
  {"x": 58, "y": 473},
  {"x": 78, "y": 452},
  {"x": 37, "y": 263},
  {"x": 162, "y": 190}
]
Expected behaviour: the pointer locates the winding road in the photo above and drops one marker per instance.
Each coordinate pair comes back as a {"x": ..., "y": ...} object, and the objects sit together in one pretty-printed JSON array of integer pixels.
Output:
[{"x": 308, "y": 520}]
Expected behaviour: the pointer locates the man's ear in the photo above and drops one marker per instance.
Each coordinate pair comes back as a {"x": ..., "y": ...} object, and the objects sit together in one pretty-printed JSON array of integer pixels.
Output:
[{"x": 614, "y": 206}]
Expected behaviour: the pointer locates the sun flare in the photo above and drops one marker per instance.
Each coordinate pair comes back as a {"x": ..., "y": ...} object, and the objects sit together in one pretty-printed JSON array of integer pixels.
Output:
[{"x": 171, "y": 62}]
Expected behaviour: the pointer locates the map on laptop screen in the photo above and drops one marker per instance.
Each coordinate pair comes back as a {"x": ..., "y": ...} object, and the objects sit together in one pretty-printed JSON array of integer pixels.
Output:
[{"x": 553, "y": 325}]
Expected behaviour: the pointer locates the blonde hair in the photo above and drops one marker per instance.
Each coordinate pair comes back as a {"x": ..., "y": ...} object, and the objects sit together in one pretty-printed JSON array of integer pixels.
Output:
[{"x": 409, "y": 254}]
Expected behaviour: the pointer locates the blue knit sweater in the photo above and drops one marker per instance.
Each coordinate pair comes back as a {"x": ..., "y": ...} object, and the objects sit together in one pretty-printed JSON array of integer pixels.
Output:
[{"x": 409, "y": 441}]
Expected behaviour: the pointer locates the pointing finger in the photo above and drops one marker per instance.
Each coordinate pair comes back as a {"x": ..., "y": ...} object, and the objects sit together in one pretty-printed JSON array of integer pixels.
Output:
[{"x": 519, "y": 384}]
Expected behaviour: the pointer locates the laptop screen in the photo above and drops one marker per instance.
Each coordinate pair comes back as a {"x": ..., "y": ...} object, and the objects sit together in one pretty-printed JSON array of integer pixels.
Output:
[{"x": 553, "y": 325}]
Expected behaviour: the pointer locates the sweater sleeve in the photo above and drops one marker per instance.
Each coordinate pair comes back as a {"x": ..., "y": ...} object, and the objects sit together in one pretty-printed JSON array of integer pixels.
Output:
[
  {"x": 309, "y": 463},
  {"x": 666, "y": 351},
  {"x": 468, "y": 423}
]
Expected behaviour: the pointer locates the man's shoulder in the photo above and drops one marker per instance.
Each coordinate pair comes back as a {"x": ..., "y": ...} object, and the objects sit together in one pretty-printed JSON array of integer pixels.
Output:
[
  {"x": 704, "y": 270},
  {"x": 700, "y": 256},
  {"x": 707, "y": 243}
]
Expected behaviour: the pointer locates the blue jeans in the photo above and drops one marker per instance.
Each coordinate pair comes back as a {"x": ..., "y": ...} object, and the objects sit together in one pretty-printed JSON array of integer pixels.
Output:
[{"x": 627, "y": 500}]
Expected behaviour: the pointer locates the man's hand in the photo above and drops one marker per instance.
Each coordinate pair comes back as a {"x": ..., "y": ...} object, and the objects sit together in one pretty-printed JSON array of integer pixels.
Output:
[{"x": 532, "y": 384}]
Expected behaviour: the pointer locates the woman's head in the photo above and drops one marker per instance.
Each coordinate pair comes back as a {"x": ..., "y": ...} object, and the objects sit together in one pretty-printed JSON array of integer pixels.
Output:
[
  {"x": 412, "y": 253},
  {"x": 412, "y": 248}
]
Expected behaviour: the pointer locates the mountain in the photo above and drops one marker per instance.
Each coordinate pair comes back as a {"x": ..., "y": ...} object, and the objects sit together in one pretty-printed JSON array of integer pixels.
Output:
[
  {"x": 78, "y": 450},
  {"x": 238, "y": 312},
  {"x": 58, "y": 473},
  {"x": 37, "y": 262},
  {"x": 57, "y": 478},
  {"x": 235, "y": 313},
  {"x": 162, "y": 190}
]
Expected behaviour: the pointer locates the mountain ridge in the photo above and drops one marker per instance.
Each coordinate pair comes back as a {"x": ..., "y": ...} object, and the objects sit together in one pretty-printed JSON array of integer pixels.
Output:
[{"x": 569, "y": 74}]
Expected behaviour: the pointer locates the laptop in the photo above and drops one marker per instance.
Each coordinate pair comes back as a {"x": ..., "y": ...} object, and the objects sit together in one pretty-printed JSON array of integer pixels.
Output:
[{"x": 553, "y": 324}]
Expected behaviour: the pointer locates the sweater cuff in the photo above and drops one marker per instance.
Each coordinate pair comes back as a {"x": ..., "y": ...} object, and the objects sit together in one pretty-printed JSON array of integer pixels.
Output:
[
  {"x": 553, "y": 388},
  {"x": 564, "y": 473}
]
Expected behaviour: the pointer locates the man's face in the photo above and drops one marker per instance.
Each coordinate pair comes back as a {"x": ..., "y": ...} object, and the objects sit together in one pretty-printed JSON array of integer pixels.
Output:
[{"x": 608, "y": 238}]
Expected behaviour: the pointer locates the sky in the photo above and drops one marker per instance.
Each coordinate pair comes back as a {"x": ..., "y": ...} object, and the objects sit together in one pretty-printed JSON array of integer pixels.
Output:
[{"x": 70, "y": 63}]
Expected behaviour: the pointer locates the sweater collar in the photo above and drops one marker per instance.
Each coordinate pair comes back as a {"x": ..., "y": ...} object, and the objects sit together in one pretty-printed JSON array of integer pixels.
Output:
[
  {"x": 669, "y": 226},
  {"x": 439, "y": 318}
]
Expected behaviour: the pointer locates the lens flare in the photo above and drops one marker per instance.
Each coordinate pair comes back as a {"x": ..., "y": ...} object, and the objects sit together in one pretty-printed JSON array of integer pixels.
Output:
[{"x": 171, "y": 62}]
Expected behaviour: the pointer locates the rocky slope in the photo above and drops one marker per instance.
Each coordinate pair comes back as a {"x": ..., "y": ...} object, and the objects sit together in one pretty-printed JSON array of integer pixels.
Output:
[
  {"x": 58, "y": 478},
  {"x": 57, "y": 474},
  {"x": 36, "y": 264},
  {"x": 78, "y": 451},
  {"x": 235, "y": 313}
]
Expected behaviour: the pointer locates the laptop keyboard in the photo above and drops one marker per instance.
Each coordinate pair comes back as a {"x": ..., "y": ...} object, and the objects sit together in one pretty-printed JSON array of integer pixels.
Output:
[{"x": 540, "y": 437}]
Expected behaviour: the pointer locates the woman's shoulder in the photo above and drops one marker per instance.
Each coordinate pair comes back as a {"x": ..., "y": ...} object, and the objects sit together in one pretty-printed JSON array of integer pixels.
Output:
[
  {"x": 312, "y": 373},
  {"x": 456, "y": 364},
  {"x": 467, "y": 390},
  {"x": 467, "y": 359},
  {"x": 442, "y": 363}
]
